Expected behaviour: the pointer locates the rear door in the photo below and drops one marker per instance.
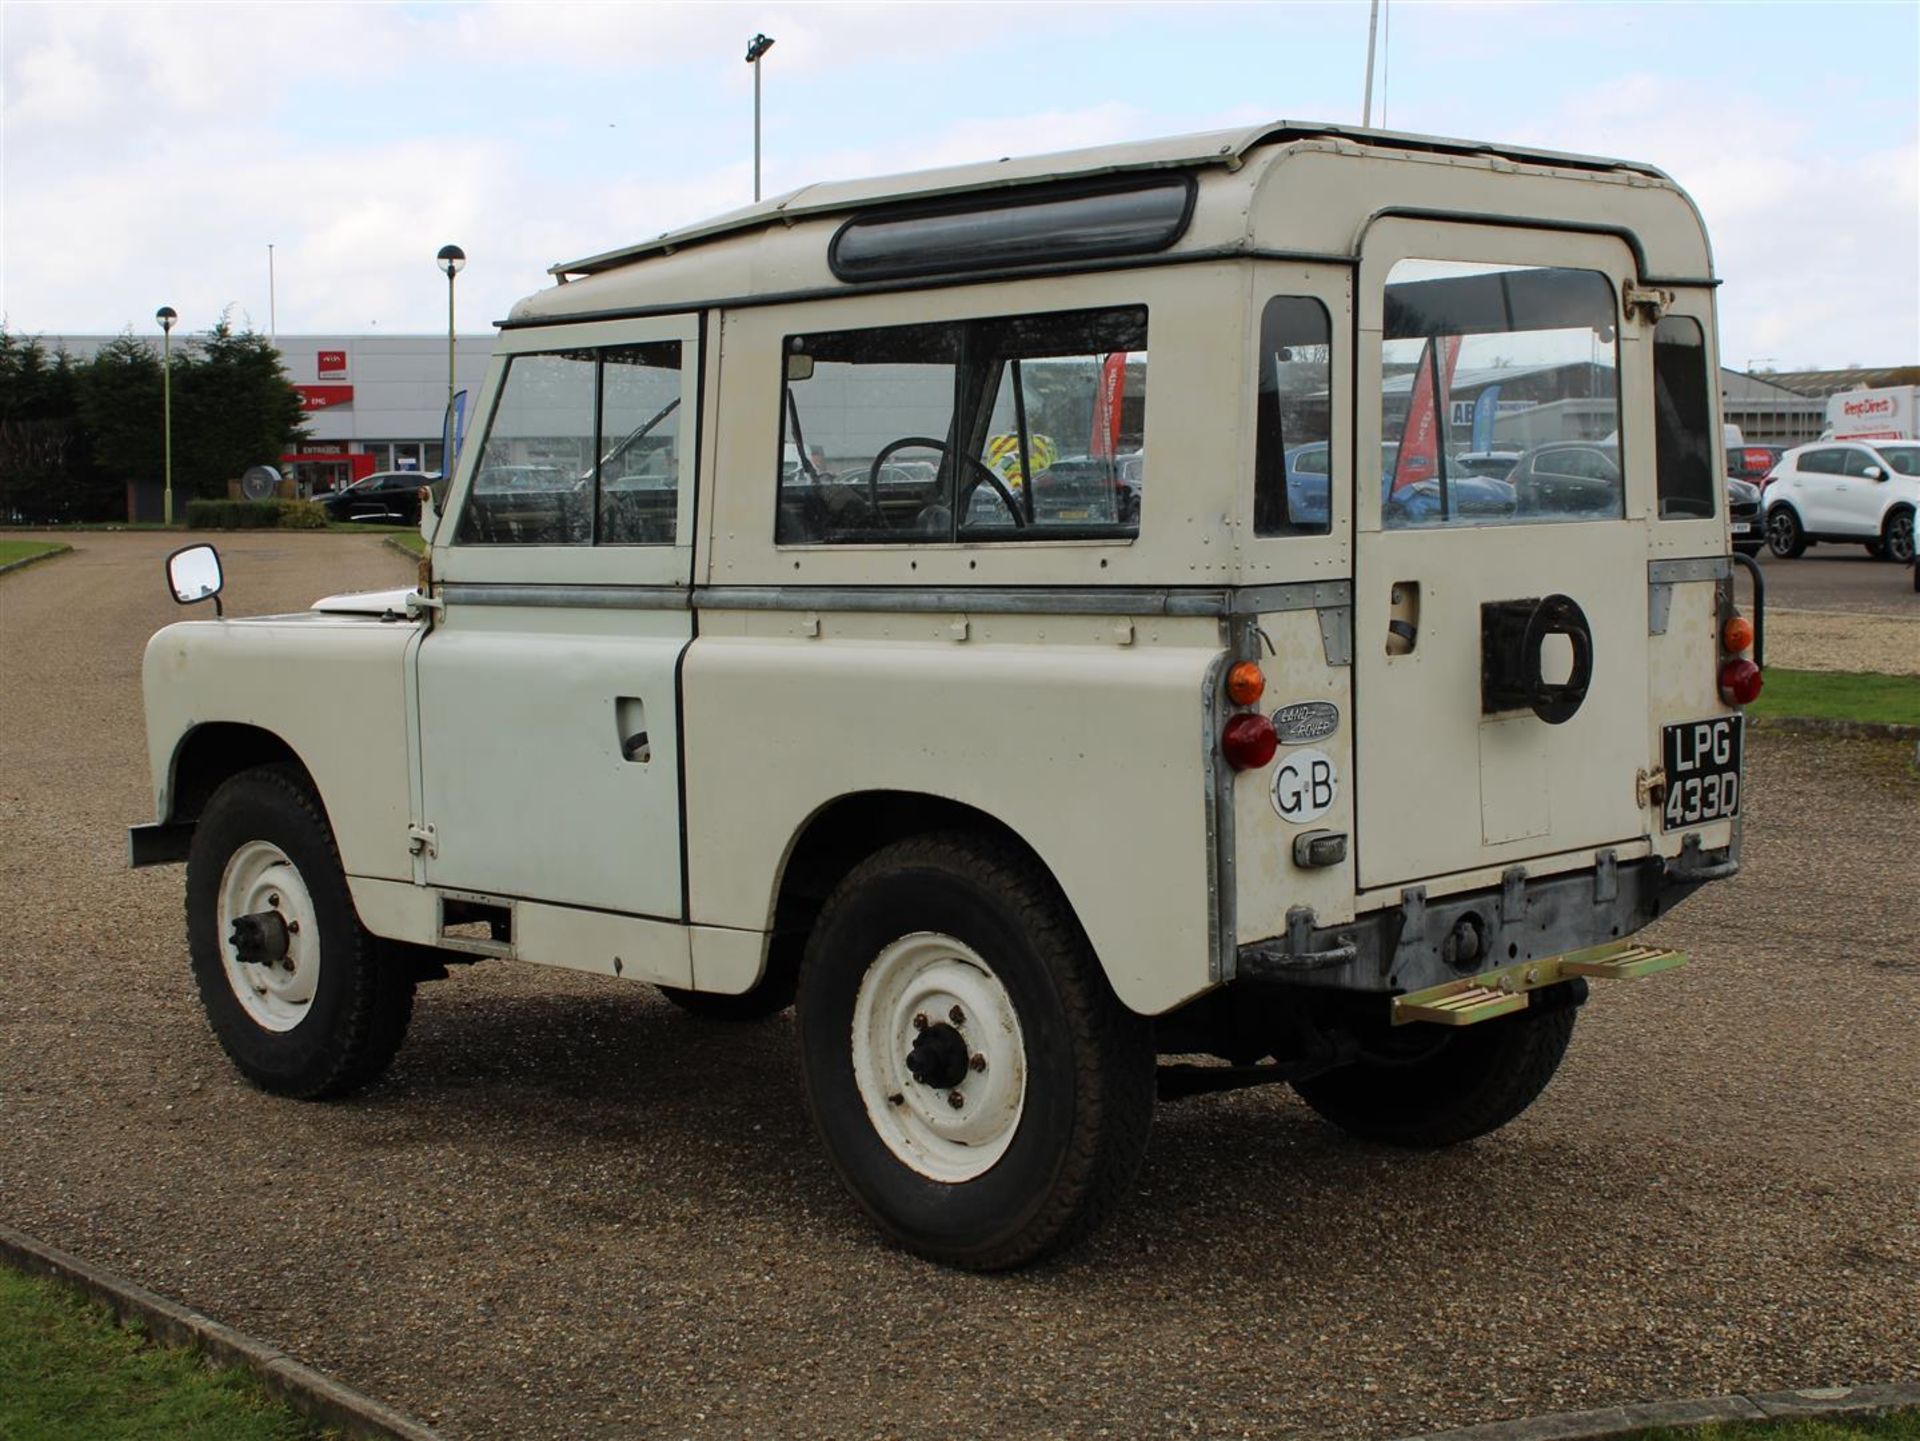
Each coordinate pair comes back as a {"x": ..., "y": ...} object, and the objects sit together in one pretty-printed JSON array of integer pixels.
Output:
[{"x": 1500, "y": 629}]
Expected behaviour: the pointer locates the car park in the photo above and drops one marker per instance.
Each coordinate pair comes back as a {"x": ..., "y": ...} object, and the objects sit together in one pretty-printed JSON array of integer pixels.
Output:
[
  {"x": 1344, "y": 784},
  {"x": 1845, "y": 492},
  {"x": 388, "y": 497}
]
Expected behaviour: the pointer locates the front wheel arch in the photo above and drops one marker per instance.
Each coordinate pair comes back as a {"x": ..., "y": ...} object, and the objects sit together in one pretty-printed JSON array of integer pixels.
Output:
[
  {"x": 211, "y": 754},
  {"x": 1898, "y": 538}
]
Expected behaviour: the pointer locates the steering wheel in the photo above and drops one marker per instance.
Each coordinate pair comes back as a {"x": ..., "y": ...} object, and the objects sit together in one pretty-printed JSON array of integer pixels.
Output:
[{"x": 929, "y": 443}]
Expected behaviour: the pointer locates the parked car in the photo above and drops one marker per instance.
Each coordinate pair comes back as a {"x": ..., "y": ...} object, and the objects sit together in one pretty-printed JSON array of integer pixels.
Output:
[
  {"x": 1753, "y": 462},
  {"x": 1845, "y": 492},
  {"x": 1497, "y": 463},
  {"x": 1565, "y": 478},
  {"x": 389, "y": 497},
  {"x": 1744, "y": 526}
]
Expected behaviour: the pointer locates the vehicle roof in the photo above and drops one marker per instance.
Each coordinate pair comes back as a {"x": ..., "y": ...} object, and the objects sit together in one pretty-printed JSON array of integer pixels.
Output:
[
  {"x": 1206, "y": 148},
  {"x": 777, "y": 248}
]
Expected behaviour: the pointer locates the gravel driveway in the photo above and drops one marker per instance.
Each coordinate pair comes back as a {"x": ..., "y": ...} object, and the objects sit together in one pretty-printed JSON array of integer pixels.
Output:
[{"x": 573, "y": 1211}]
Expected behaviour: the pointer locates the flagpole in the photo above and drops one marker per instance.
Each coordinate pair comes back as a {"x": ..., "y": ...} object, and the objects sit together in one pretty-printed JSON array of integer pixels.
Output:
[{"x": 1373, "y": 29}]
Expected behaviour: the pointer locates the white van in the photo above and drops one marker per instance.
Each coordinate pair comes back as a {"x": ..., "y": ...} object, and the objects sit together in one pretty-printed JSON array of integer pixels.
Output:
[{"x": 919, "y": 610}]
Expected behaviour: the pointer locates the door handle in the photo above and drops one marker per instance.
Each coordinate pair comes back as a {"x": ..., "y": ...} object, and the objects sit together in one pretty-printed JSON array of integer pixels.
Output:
[{"x": 630, "y": 729}]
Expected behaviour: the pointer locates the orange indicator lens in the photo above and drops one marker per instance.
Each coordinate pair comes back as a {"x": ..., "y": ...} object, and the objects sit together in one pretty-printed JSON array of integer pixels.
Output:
[
  {"x": 1245, "y": 683},
  {"x": 1737, "y": 636}
]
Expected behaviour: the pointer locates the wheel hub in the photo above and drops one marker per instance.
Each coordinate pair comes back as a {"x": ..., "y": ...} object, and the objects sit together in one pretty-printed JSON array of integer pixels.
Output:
[
  {"x": 260, "y": 939},
  {"x": 939, "y": 1057}
]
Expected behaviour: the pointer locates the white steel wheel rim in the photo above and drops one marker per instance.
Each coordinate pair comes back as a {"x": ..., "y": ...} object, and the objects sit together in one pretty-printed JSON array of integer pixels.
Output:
[
  {"x": 918, "y": 982},
  {"x": 258, "y": 878}
]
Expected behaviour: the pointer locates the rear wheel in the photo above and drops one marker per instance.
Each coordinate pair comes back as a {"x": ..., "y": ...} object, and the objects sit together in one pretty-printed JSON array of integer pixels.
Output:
[
  {"x": 296, "y": 990},
  {"x": 1896, "y": 537},
  {"x": 1437, "y": 1087},
  {"x": 977, "y": 1085},
  {"x": 1786, "y": 537}
]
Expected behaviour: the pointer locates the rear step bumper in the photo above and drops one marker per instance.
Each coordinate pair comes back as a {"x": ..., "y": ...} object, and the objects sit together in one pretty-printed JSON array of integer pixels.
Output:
[
  {"x": 1505, "y": 990},
  {"x": 1421, "y": 944}
]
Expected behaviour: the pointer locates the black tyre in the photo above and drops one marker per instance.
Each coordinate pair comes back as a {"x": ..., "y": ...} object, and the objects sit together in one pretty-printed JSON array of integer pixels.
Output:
[
  {"x": 1441, "y": 1089},
  {"x": 294, "y": 986},
  {"x": 1896, "y": 537},
  {"x": 1786, "y": 537},
  {"x": 976, "y": 1083}
]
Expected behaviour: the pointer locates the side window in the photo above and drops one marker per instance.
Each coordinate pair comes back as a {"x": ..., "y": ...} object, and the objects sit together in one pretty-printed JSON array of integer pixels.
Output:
[
  {"x": 1857, "y": 463},
  {"x": 639, "y": 484},
  {"x": 1478, "y": 358},
  {"x": 582, "y": 449},
  {"x": 1006, "y": 429},
  {"x": 1292, "y": 480},
  {"x": 1821, "y": 462},
  {"x": 1682, "y": 419}
]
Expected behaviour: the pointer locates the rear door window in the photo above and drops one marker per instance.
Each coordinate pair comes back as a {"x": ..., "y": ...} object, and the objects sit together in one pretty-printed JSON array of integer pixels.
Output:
[
  {"x": 1480, "y": 357},
  {"x": 1292, "y": 472}
]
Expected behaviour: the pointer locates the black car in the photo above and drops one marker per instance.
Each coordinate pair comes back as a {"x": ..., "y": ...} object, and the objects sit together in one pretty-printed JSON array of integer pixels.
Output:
[
  {"x": 390, "y": 497},
  {"x": 1749, "y": 532},
  {"x": 1568, "y": 478}
]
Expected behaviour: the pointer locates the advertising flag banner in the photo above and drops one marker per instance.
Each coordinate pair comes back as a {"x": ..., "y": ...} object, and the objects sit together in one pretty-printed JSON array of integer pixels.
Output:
[
  {"x": 1420, "y": 439},
  {"x": 452, "y": 432},
  {"x": 1484, "y": 410},
  {"x": 1107, "y": 404}
]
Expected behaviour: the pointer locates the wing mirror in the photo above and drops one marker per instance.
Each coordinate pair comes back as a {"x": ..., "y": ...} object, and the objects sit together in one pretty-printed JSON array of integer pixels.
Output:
[
  {"x": 1874, "y": 472},
  {"x": 193, "y": 575}
]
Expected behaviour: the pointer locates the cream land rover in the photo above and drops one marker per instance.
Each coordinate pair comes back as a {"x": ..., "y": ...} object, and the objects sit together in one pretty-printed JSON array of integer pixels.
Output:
[{"x": 901, "y": 598}]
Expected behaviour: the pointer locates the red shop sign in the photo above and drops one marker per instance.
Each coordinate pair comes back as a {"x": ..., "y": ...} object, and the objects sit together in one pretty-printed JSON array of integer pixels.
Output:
[
  {"x": 324, "y": 397},
  {"x": 333, "y": 363}
]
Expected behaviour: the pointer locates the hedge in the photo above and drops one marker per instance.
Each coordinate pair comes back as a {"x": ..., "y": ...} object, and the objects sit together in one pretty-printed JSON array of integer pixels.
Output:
[{"x": 255, "y": 515}]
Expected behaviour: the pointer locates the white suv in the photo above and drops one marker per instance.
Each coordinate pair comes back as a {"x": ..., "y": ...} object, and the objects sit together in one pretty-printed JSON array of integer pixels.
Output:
[{"x": 1841, "y": 490}]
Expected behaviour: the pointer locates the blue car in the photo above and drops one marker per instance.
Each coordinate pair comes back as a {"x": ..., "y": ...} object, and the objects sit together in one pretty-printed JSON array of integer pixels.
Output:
[{"x": 1418, "y": 504}]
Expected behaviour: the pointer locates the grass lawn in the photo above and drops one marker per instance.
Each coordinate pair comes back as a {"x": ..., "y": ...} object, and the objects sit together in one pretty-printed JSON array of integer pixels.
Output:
[
  {"x": 68, "y": 1372},
  {"x": 1901, "y": 1426},
  {"x": 409, "y": 540},
  {"x": 1839, "y": 695},
  {"x": 18, "y": 550}
]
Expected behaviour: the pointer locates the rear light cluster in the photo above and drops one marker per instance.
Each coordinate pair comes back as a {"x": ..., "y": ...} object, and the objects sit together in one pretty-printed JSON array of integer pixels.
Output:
[
  {"x": 1247, "y": 739},
  {"x": 1740, "y": 678}
]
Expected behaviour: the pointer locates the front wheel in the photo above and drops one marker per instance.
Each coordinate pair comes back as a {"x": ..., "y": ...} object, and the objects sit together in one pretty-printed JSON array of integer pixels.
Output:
[
  {"x": 1785, "y": 536},
  {"x": 979, "y": 1088},
  {"x": 1433, "y": 1087},
  {"x": 297, "y": 991}
]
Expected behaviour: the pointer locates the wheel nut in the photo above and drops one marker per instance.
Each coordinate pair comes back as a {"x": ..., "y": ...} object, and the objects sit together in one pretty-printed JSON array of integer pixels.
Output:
[
  {"x": 920, "y": 1021},
  {"x": 957, "y": 1016},
  {"x": 956, "y": 1100},
  {"x": 274, "y": 901},
  {"x": 977, "y": 1061},
  {"x": 293, "y": 928}
]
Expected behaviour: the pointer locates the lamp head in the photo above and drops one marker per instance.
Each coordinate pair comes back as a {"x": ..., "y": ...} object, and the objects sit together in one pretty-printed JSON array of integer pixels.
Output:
[
  {"x": 452, "y": 260},
  {"x": 166, "y": 315},
  {"x": 758, "y": 46}
]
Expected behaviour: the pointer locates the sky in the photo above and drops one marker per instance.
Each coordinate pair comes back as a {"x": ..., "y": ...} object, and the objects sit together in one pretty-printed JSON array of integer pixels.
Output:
[{"x": 151, "y": 153}]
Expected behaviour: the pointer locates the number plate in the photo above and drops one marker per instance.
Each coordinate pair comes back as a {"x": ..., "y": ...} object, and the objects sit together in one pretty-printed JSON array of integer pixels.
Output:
[
  {"x": 1741, "y": 527},
  {"x": 1703, "y": 771}
]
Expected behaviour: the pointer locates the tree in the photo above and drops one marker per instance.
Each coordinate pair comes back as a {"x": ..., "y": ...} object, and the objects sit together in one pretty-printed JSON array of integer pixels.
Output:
[
  {"x": 120, "y": 407},
  {"x": 233, "y": 407},
  {"x": 47, "y": 471}
]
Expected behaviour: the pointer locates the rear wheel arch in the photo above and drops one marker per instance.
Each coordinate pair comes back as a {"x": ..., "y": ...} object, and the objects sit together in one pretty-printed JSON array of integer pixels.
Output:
[{"x": 844, "y": 832}]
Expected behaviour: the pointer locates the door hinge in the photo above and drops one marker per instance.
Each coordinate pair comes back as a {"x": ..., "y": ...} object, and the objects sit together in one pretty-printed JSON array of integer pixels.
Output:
[
  {"x": 418, "y": 602},
  {"x": 420, "y": 841},
  {"x": 1649, "y": 300}
]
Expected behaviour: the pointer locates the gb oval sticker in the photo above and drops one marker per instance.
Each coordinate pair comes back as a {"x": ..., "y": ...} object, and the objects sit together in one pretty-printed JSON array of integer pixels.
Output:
[
  {"x": 1305, "y": 786},
  {"x": 1305, "y": 721}
]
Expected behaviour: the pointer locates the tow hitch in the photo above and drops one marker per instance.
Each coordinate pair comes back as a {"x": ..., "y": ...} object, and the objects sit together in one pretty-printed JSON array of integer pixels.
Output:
[{"x": 1504, "y": 990}]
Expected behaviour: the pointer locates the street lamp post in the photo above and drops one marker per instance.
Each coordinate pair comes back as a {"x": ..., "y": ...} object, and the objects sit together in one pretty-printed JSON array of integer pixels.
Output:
[
  {"x": 756, "y": 47},
  {"x": 452, "y": 260},
  {"x": 166, "y": 315}
]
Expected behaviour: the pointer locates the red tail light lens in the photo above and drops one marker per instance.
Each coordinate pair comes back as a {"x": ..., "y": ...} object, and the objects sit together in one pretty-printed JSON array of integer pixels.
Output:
[
  {"x": 1248, "y": 741},
  {"x": 1740, "y": 682}
]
